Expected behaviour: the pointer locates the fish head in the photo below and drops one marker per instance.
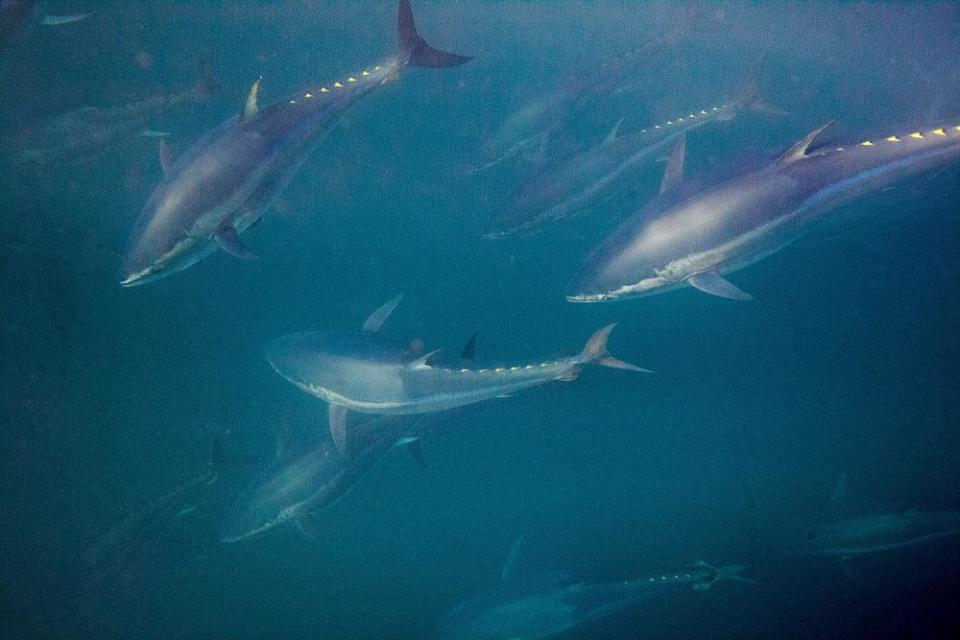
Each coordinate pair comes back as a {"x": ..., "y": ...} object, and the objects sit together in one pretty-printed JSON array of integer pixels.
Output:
[
  {"x": 619, "y": 269},
  {"x": 339, "y": 368},
  {"x": 287, "y": 490},
  {"x": 163, "y": 241}
]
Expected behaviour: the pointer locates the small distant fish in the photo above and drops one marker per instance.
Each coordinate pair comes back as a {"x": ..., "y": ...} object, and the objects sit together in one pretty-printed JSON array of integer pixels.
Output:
[
  {"x": 297, "y": 488},
  {"x": 694, "y": 237},
  {"x": 81, "y": 135},
  {"x": 366, "y": 373},
  {"x": 228, "y": 179},
  {"x": 17, "y": 16},
  {"x": 532, "y": 609},
  {"x": 50, "y": 21},
  {"x": 579, "y": 182},
  {"x": 526, "y": 132},
  {"x": 881, "y": 533}
]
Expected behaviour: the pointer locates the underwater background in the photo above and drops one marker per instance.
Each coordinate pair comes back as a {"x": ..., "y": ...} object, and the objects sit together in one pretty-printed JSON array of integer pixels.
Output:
[{"x": 845, "y": 366}]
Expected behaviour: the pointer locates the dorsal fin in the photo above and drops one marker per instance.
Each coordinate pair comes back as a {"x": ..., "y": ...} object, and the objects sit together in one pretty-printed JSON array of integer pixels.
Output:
[
  {"x": 673, "y": 175},
  {"x": 799, "y": 150},
  {"x": 250, "y": 107},
  {"x": 469, "y": 348},
  {"x": 378, "y": 317},
  {"x": 614, "y": 133},
  {"x": 166, "y": 157}
]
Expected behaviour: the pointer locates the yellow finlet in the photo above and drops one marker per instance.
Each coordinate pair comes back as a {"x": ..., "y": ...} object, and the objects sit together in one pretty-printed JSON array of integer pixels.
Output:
[
  {"x": 679, "y": 119},
  {"x": 703, "y": 112},
  {"x": 324, "y": 90},
  {"x": 839, "y": 148},
  {"x": 656, "y": 126},
  {"x": 892, "y": 139},
  {"x": 338, "y": 85},
  {"x": 293, "y": 102},
  {"x": 376, "y": 68},
  {"x": 351, "y": 79},
  {"x": 308, "y": 95},
  {"x": 365, "y": 73},
  {"x": 866, "y": 143},
  {"x": 692, "y": 115},
  {"x": 715, "y": 109},
  {"x": 498, "y": 370},
  {"x": 939, "y": 132},
  {"x": 917, "y": 135},
  {"x": 956, "y": 128}
]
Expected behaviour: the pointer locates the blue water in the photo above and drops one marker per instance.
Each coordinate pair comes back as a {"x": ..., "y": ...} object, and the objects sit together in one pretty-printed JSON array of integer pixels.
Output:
[{"x": 844, "y": 365}]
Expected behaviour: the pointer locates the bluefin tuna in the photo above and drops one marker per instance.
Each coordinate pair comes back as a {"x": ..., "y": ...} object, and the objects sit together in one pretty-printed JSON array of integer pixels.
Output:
[
  {"x": 528, "y": 130},
  {"x": 581, "y": 181},
  {"x": 531, "y": 609},
  {"x": 84, "y": 134},
  {"x": 227, "y": 180},
  {"x": 17, "y": 16},
  {"x": 299, "y": 487},
  {"x": 366, "y": 373},
  {"x": 880, "y": 533},
  {"x": 696, "y": 237}
]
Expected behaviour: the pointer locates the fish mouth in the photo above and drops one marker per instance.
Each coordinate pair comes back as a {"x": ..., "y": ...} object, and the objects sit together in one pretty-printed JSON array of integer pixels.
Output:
[
  {"x": 138, "y": 278},
  {"x": 645, "y": 287}
]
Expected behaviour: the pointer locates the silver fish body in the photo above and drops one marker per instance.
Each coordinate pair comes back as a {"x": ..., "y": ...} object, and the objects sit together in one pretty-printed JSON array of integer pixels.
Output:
[{"x": 692, "y": 238}]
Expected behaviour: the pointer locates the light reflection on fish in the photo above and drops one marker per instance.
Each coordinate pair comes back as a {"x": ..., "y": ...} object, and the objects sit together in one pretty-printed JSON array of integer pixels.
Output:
[
  {"x": 695, "y": 238},
  {"x": 531, "y": 609},
  {"x": 581, "y": 181},
  {"x": 366, "y": 373},
  {"x": 227, "y": 180}
]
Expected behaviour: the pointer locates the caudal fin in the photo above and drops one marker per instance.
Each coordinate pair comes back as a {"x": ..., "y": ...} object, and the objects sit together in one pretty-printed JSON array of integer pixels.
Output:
[
  {"x": 595, "y": 352},
  {"x": 751, "y": 93},
  {"x": 730, "y": 572},
  {"x": 414, "y": 49}
]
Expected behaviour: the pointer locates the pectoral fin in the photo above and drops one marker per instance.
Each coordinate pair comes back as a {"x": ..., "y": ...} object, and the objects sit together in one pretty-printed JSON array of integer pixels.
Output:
[
  {"x": 166, "y": 157},
  {"x": 378, "y": 317},
  {"x": 713, "y": 283},
  {"x": 415, "y": 450},
  {"x": 673, "y": 175},
  {"x": 229, "y": 241},
  {"x": 337, "y": 418}
]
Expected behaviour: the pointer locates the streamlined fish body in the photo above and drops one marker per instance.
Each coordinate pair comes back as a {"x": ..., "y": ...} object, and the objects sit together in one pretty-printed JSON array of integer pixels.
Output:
[
  {"x": 83, "y": 134},
  {"x": 695, "y": 238},
  {"x": 224, "y": 183},
  {"x": 882, "y": 532},
  {"x": 364, "y": 373},
  {"x": 300, "y": 484},
  {"x": 530, "y": 611},
  {"x": 575, "y": 184}
]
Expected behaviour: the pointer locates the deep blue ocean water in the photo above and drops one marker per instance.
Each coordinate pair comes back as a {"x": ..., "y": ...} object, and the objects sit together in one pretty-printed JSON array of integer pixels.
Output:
[{"x": 844, "y": 366}]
